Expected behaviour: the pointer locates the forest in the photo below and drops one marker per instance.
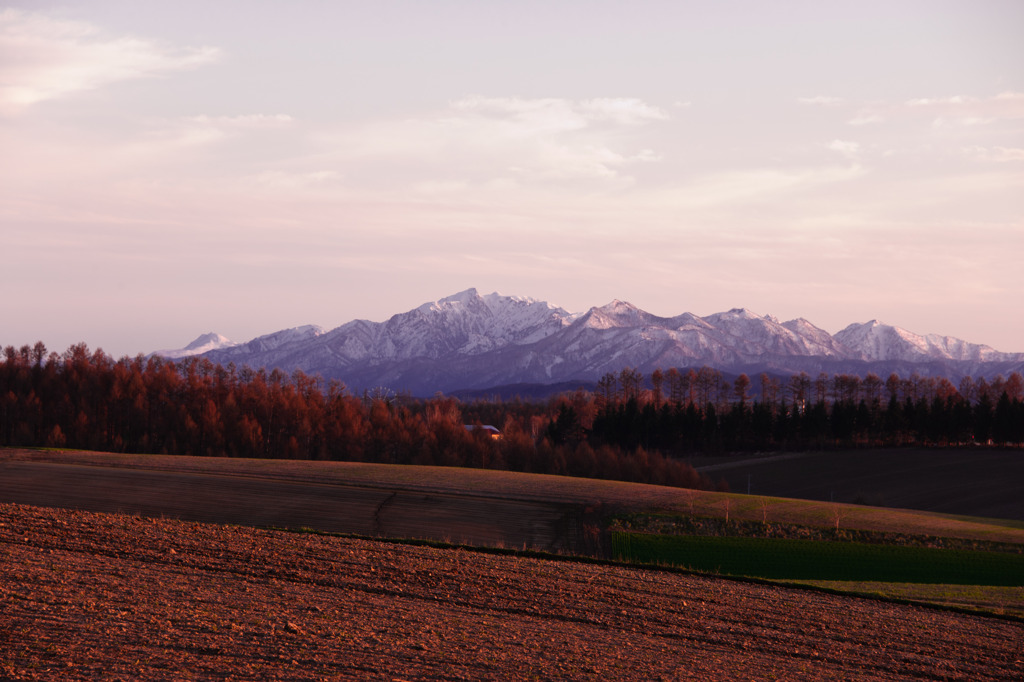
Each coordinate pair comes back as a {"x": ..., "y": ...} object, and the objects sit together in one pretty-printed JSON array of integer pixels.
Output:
[{"x": 631, "y": 427}]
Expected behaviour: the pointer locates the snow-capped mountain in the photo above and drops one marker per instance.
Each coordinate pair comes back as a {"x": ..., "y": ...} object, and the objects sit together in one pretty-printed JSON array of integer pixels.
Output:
[
  {"x": 272, "y": 342},
  {"x": 465, "y": 324},
  {"x": 878, "y": 341},
  {"x": 203, "y": 344},
  {"x": 473, "y": 341}
]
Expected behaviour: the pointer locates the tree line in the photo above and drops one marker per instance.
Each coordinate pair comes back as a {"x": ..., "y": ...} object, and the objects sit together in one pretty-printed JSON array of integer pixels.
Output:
[
  {"x": 631, "y": 427},
  {"x": 702, "y": 411},
  {"x": 86, "y": 400}
]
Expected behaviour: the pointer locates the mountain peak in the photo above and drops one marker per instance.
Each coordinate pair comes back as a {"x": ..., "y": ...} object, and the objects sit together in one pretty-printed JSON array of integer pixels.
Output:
[
  {"x": 737, "y": 314},
  {"x": 617, "y": 306},
  {"x": 460, "y": 299},
  {"x": 209, "y": 340},
  {"x": 615, "y": 314},
  {"x": 204, "y": 343},
  {"x": 469, "y": 294}
]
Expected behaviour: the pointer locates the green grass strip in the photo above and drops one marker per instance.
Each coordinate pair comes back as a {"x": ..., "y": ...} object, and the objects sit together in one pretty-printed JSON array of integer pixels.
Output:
[{"x": 794, "y": 559}]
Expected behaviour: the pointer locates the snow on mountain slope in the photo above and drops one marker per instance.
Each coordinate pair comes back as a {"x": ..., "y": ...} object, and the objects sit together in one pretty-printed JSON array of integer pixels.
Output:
[
  {"x": 816, "y": 337},
  {"x": 877, "y": 341},
  {"x": 491, "y": 321},
  {"x": 760, "y": 335},
  {"x": 203, "y": 344},
  {"x": 619, "y": 314},
  {"x": 472, "y": 341},
  {"x": 465, "y": 323},
  {"x": 271, "y": 342}
]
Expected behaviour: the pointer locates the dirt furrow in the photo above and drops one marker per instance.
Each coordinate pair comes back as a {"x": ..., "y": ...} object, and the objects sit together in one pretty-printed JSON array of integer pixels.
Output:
[{"x": 102, "y": 596}]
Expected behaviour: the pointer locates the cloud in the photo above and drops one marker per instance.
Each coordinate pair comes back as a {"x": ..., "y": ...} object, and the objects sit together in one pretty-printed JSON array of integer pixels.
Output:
[
  {"x": 737, "y": 188},
  {"x": 244, "y": 122},
  {"x": 621, "y": 110},
  {"x": 959, "y": 111},
  {"x": 865, "y": 118},
  {"x": 291, "y": 181},
  {"x": 516, "y": 117},
  {"x": 953, "y": 110},
  {"x": 566, "y": 162},
  {"x": 929, "y": 101},
  {"x": 43, "y": 59},
  {"x": 997, "y": 154},
  {"x": 497, "y": 138},
  {"x": 970, "y": 110},
  {"x": 549, "y": 115},
  {"x": 167, "y": 136},
  {"x": 845, "y": 147},
  {"x": 441, "y": 188},
  {"x": 821, "y": 100}
]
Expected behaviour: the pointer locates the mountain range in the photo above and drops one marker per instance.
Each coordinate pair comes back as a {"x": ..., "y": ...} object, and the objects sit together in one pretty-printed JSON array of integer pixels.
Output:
[{"x": 470, "y": 341}]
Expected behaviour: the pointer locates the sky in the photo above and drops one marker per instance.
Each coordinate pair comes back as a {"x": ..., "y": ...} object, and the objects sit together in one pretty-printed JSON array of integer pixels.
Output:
[{"x": 241, "y": 167}]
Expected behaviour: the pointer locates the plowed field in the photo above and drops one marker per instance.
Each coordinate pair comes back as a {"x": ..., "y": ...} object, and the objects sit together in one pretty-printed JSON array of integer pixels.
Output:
[{"x": 88, "y": 595}]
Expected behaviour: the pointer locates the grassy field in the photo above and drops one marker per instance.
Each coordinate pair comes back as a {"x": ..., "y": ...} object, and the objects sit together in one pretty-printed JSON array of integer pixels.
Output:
[
  {"x": 972, "y": 580},
  {"x": 1005, "y": 601},
  {"x": 792, "y": 559}
]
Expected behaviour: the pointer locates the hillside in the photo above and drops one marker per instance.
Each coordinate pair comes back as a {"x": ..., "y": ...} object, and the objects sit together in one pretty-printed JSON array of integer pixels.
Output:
[
  {"x": 350, "y": 497},
  {"x": 963, "y": 481}
]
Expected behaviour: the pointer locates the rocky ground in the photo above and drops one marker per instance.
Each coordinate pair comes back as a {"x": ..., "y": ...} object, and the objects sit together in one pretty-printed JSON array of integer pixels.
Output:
[{"x": 106, "y": 596}]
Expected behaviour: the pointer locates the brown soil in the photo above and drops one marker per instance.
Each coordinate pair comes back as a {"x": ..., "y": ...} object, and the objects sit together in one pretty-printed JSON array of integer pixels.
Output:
[{"x": 105, "y": 596}]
